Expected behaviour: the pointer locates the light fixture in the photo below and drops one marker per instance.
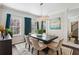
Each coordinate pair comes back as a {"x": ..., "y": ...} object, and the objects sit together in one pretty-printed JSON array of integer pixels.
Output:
[{"x": 42, "y": 17}]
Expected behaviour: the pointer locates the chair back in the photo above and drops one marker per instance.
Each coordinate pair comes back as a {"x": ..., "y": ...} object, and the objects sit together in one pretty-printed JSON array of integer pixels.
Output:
[
  {"x": 35, "y": 44},
  {"x": 60, "y": 44},
  {"x": 67, "y": 51},
  {"x": 27, "y": 39}
]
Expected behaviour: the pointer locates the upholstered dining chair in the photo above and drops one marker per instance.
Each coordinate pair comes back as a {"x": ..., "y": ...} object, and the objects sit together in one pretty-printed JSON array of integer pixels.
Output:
[
  {"x": 71, "y": 39},
  {"x": 27, "y": 42},
  {"x": 56, "y": 47},
  {"x": 67, "y": 51},
  {"x": 37, "y": 46}
]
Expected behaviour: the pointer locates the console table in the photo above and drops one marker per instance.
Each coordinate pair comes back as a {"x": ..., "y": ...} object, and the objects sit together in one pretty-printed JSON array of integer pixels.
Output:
[{"x": 6, "y": 47}]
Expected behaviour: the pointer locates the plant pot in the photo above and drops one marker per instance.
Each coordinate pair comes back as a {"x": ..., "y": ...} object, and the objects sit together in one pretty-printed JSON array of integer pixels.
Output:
[{"x": 39, "y": 35}]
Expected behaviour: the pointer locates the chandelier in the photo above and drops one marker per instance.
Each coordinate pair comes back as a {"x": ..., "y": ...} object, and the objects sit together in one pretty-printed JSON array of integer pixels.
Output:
[{"x": 42, "y": 17}]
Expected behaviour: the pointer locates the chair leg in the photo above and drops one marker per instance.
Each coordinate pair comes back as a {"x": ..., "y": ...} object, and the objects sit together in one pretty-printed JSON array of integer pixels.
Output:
[
  {"x": 37, "y": 52},
  {"x": 29, "y": 48},
  {"x": 25, "y": 45},
  {"x": 32, "y": 50},
  {"x": 61, "y": 50},
  {"x": 57, "y": 52}
]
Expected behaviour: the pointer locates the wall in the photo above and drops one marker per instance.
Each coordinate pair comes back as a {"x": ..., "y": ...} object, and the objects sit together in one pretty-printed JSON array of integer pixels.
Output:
[
  {"x": 1, "y": 13},
  {"x": 18, "y": 15},
  {"x": 0, "y": 16},
  {"x": 78, "y": 29}
]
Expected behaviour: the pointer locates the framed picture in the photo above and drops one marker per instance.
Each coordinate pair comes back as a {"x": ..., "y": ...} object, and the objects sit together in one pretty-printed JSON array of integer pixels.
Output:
[{"x": 55, "y": 24}]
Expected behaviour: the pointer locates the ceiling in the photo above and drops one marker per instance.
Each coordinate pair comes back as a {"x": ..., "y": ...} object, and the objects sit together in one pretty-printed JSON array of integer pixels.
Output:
[{"x": 47, "y": 8}]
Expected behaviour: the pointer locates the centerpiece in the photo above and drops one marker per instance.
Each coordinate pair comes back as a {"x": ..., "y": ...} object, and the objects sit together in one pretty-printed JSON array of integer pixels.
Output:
[{"x": 40, "y": 32}]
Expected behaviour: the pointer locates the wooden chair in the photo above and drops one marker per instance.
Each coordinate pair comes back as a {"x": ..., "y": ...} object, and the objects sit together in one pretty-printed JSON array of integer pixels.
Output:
[
  {"x": 37, "y": 46},
  {"x": 27, "y": 42},
  {"x": 56, "y": 47}
]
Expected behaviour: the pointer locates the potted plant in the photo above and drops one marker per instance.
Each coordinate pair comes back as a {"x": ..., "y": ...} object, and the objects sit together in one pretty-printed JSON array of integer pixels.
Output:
[
  {"x": 8, "y": 31},
  {"x": 40, "y": 32}
]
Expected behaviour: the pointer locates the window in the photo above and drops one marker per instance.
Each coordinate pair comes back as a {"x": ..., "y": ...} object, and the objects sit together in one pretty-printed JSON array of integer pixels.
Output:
[
  {"x": 34, "y": 26},
  {"x": 15, "y": 26}
]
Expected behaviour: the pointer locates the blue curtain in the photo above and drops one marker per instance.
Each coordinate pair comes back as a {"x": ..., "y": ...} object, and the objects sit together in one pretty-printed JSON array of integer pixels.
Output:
[
  {"x": 8, "y": 20},
  {"x": 27, "y": 25},
  {"x": 42, "y": 25},
  {"x": 37, "y": 25}
]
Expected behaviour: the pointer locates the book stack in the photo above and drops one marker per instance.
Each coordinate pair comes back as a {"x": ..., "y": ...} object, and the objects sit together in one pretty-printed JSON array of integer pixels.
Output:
[{"x": 8, "y": 37}]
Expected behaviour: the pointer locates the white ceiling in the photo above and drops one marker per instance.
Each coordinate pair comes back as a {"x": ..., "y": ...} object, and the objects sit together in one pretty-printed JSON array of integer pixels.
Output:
[{"x": 48, "y": 8}]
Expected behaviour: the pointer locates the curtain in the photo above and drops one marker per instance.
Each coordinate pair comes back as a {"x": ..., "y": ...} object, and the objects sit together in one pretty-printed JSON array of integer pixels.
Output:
[
  {"x": 8, "y": 17},
  {"x": 42, "y": 25},
  {"x": 27, "y": 25},
  {"x": 37, "y": 25}
]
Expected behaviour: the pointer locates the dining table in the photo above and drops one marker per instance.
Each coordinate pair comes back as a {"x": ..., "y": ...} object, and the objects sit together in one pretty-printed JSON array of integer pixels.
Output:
[{"x": 46, "y": 39}]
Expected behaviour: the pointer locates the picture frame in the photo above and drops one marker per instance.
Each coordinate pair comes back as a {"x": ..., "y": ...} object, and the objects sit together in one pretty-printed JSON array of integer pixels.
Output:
[{"x": 55, "y": 24}]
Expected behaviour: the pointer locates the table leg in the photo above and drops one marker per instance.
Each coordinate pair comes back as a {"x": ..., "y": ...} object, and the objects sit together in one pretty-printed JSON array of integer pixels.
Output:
[{"x": 46, "y": 50}]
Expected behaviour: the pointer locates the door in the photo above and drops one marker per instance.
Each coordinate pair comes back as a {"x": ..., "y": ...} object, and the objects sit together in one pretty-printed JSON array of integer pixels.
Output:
[{"x": 27, "y": 25}]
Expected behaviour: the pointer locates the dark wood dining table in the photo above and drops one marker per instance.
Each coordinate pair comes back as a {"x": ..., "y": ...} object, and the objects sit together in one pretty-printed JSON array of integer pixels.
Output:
[{"x": 46, "y": 39}]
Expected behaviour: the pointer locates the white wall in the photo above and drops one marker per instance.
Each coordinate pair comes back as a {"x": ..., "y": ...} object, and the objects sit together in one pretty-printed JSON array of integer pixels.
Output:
[
  {"x": 1, "y": 13},
  {"x": 78, "y": 29},
  {"x": 0, "y": 16}
]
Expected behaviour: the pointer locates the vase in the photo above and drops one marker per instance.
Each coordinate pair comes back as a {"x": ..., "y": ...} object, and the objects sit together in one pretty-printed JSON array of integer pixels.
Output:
[{"x": 39, "y": 35}]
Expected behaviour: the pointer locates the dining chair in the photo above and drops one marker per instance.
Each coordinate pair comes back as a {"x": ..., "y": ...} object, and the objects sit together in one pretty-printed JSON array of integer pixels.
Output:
[
  {"x": 56, "y": 47},
  {"x": 67, "y": 51},
  {"x": 37, "y": 46},
  {"x": 27, "y": 42},
  {"x": 71, "y": 39}
]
